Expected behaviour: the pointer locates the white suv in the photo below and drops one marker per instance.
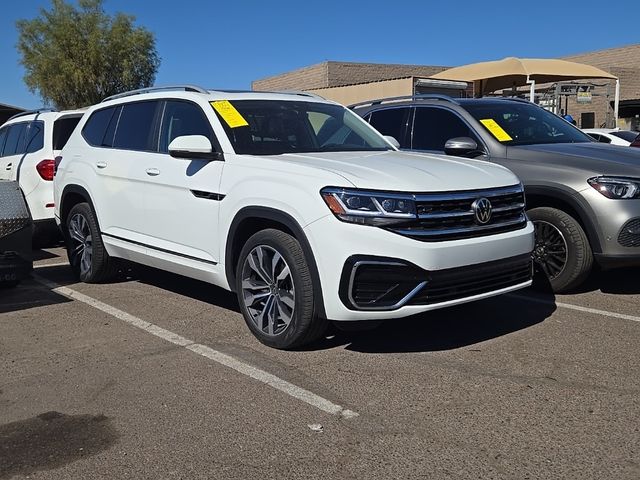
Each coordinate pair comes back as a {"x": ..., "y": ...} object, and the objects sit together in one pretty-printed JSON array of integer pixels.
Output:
[
  {"x": 29, "y": 144},
  {"x": 293, "y": 202}
]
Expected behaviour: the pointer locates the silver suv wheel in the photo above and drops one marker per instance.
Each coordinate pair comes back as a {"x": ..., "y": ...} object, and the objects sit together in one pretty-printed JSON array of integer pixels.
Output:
[
  {"x": 81, "y": 251},
  {"x": 268, "y": 291}
]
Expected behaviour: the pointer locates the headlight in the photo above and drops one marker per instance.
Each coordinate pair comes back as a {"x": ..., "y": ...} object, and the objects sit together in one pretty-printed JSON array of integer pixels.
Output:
[
  {"x": 369, "y": 208},
  {"x": 616, "y": 187}
]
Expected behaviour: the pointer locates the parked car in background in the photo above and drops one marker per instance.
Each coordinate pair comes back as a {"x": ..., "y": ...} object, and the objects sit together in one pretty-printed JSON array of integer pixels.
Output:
[
  {"x": 29, "y": 143},
  {"x": 582, "y": 196},
  {"x": 16, "y": 230},
  {"x": 293, "y": 202},
  {"x": 612, "y": 136}
]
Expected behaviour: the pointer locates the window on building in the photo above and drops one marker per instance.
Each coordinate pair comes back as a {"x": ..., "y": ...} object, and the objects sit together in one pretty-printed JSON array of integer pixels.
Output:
[{"x": 587, "y": 120}]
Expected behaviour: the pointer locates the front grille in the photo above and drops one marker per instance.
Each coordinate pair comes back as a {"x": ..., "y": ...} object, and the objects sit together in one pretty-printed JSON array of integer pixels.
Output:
[
  {"x": 630, "y": 234},
  {"x": 462, "y": 282},
  {"x": 450, "y": 216}
]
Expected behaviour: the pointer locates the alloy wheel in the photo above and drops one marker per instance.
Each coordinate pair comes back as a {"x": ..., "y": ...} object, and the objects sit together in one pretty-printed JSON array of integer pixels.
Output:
[
  {"x": 81, "y": 251},
  {"x": 267, "y": 290},
  {"x": 550, "y": 251}
]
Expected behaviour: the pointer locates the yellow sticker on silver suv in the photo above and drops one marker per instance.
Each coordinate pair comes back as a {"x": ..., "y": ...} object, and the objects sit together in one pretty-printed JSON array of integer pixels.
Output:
[
  {"x": 496, "y": 130},
  {"x": 229, "y": 113}
]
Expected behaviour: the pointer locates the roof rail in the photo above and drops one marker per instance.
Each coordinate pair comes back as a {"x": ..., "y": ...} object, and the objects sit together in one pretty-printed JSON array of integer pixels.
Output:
[
  {"x": 29, "y": 112},
  {"x": 186, "y": 88},
  {"x": 302, "y": 93},
  {"x": 418, "y": 96},
  {"x": 515, "y": 99}
]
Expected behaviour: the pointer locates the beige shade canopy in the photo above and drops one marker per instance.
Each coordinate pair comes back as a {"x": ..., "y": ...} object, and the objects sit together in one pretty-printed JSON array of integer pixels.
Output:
[
  {"x": 516, "y": 72},
  {"x": 509, "y": 72}
]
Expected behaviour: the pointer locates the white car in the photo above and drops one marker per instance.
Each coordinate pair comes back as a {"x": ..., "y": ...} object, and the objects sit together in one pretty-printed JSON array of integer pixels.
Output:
[
  {"x": 29, "y": 144},
  {"x": 613, "y": 136},
  {"x": 293, "y": 202}
]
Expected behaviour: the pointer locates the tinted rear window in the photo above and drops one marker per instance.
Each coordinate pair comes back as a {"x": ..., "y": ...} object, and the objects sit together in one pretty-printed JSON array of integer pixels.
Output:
[
  {"x": 390, "y": 121},
  {"x": 135, "y": 128},
  {"x": 95, "y": 128},
  {"x": 3, "y": 137},
  {"x": 62, "y": 129},
  {"x": 627, "y": 135}
]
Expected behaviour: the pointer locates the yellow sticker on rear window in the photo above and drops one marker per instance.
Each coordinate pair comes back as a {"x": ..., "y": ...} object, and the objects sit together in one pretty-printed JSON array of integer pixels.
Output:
[
  {"x": 229, "y": 113},
  {"x": 496, "y": 130}
]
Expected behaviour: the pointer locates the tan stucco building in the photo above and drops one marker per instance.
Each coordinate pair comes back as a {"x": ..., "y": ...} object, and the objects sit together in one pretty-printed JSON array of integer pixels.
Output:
[{"x": 348, "y": 83}]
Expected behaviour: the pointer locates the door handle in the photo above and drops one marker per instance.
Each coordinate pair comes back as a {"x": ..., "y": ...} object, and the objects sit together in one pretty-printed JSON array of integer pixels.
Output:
[
  {"x": 152, "y": 172},
  {"x": 101, "y": 164},
  {"x": 9, "y": 166}
]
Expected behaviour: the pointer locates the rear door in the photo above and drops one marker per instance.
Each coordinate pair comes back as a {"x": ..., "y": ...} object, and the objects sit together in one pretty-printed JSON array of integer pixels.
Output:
[
  {"x": 124, "y": 137},
  {"x": 13, "y": 150},
  {"x": 3, "y": 138}
]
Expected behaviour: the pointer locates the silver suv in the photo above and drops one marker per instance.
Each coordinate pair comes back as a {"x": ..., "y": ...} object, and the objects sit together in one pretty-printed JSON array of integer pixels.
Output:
[{"x": 582, "y": 196}]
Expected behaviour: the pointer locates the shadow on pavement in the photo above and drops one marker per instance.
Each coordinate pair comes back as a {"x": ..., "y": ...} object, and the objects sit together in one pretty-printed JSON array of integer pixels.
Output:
[
  {"x": 52, "y": 440},
  {"x": 623, "y": 281},
  {"x": 447, "y": 328}
]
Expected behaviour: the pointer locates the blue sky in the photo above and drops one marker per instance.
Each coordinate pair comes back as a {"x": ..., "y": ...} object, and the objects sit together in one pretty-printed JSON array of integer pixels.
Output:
[{"x": 229, "y": 44}]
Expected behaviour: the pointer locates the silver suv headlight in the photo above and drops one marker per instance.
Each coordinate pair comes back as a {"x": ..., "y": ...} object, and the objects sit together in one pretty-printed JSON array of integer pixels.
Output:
[
  {"x": 369, "y": 208},
  {"x": 616, "y": 187}
]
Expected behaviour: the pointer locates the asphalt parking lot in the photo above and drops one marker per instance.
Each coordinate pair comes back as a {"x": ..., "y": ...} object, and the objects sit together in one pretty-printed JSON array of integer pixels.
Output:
[{"x": 157, "y": 377}]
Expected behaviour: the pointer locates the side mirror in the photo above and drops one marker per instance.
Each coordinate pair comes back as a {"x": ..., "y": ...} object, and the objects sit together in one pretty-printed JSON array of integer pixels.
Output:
[
  {"x": 461, "y": 146},
  {"x": 392, "y": 140},
  {"x": 193, "y": 147}
]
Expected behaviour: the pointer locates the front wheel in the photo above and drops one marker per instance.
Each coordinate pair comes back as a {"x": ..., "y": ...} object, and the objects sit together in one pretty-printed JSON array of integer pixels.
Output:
[
  {"x": 275, "y": 291},
  {"x": 562, "y": 251}
]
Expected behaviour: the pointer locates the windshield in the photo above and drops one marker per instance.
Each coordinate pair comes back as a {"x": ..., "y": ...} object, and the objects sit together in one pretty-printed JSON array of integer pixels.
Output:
[
  {"x": 518, "y": 123},
  {"x": 271, "y": 127}
]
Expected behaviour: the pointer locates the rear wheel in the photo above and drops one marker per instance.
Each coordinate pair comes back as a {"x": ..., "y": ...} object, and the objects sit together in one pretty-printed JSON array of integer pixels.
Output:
[
  {"x": 87, "y": 255},
  {"x": 275, "y": 291},
  {"x": 562, "y": 251}
]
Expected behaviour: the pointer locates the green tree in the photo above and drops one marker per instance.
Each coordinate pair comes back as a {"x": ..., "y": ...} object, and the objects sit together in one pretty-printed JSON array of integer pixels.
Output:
[{"x": 76, "y": 56}]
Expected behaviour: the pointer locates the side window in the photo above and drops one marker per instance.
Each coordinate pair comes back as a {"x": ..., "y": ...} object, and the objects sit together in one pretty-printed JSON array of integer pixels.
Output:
[
  {"x": 392, "y": 122},
  {"x": 15, "y": 140},
  {"x": 3, "y": 137},
  {"x": 62, "y": 129},
  {"x": 182, "y": 118},
  {"x": 95, "y": 128},
  {"x": 432, "y": 128},
  {"x": 135, "y": 129},
  {"x": 35, "y": 137}
]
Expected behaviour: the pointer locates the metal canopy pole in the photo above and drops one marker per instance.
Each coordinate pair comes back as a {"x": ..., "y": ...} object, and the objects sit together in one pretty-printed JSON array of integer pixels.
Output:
[
  {"x": 616, "y": 102},
  {"x": 532, "y": 90}
]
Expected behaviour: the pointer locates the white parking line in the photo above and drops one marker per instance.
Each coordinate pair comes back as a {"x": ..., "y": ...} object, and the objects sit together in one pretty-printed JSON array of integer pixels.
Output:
[
  {"x": 207, "y": 352},
  {"x": 577, "y": 308},
  {"x": 44, "y": 265}
]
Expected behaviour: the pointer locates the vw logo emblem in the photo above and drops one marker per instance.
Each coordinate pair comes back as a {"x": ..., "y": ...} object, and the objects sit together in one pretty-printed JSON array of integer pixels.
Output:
[{"x": 482, "y": 210}]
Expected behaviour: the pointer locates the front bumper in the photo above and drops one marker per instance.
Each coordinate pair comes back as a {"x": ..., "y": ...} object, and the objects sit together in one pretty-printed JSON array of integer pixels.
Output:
[
  {"x": 335, "y": 244},
  {"x": 618, "y": 228}
]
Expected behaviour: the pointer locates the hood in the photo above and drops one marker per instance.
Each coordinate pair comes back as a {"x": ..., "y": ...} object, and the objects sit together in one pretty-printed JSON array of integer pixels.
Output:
[
  {"x": 598, "y": 158},
  {"x": 404, "y": 171}
]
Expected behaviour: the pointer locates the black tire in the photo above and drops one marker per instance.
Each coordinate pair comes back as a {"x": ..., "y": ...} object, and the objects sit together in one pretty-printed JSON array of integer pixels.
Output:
[
  {"x": 579, "y": 258},
  {"x": 304, "y": 325},
  {"x": 98, "y": 266}
]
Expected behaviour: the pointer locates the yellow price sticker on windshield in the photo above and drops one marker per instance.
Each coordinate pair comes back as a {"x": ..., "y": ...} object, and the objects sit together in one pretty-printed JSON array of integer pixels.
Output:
[
  {"x": 229, "y": 113},
  {"x": 496, "y": 130}
]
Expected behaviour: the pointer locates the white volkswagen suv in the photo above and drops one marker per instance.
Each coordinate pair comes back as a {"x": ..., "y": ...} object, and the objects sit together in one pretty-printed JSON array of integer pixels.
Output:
[{"x": 293, "y": 202}]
